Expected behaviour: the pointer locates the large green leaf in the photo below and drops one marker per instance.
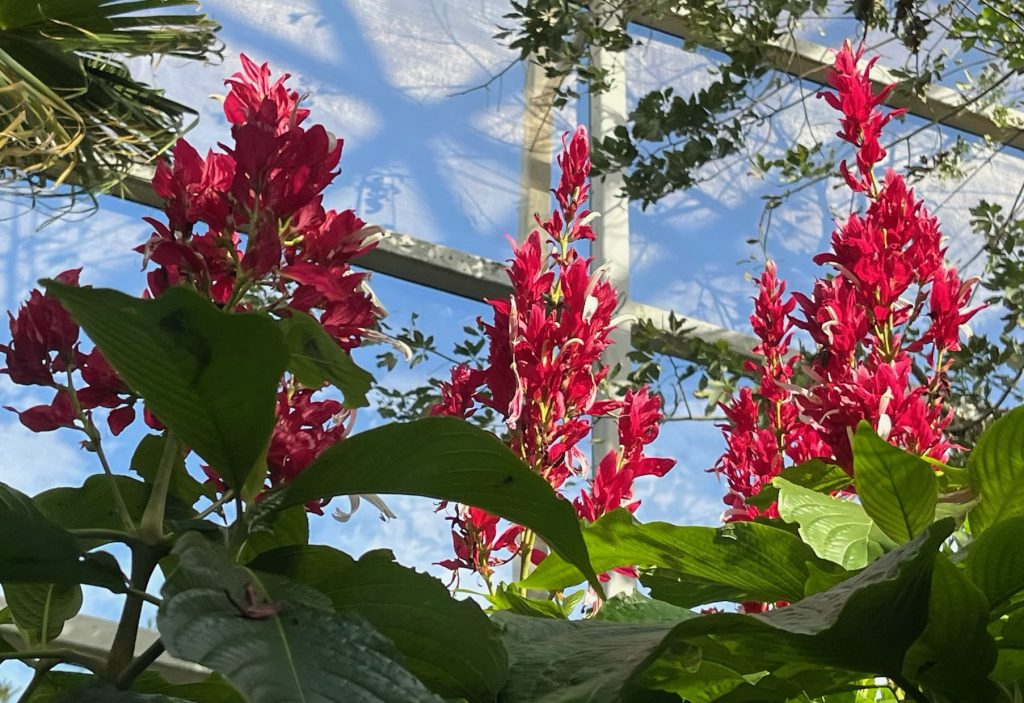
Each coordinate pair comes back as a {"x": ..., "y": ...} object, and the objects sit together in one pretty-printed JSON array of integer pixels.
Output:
[
  {"x": 836, "y": 529},
  {"x": 210, "y": 376},
  {"x": 865, "y": 624},
  {"x": 317, "y": 359},
  {"x": 447, "y": 459},
  {"x": 996, "y": 472},
  {"x": 212, "y": 689},
  {"x": 450, "y": 645},
  {"x": 995, "y": 561},
  {"x": 91, "y": 506},
  {"x": 897, "y": 489},
  {"x": 559, "y": 661},
  {"x": 283, "y": 528},
  {"x": 34, "y": 549},
  {"x": 955, "y": 653},
  {"x": 816, "y": 646},
  {"x": 285, "y": 645},
  {"x": 41, "y": 609},
  {"x": 761, "y": 562}
]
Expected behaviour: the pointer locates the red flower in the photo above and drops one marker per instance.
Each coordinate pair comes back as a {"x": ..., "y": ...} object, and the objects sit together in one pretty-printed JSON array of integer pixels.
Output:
[
  {"x": 867, "y": 333},
  {"x": 43, "y": 338},
  {"x": 544, "y": 370}
]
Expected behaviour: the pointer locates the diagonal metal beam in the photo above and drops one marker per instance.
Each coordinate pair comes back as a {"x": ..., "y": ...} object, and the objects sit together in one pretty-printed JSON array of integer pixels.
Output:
[
  {"x": 811, "y": 61},
  {"x": 454, "y": 271}
]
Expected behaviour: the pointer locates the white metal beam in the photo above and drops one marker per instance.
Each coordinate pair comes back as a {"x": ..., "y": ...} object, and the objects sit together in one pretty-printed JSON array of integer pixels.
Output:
[
  {"x": 468, "y": 275},
  {"x": 535, "y": 155},
  {"x": 811, "y": 61}
]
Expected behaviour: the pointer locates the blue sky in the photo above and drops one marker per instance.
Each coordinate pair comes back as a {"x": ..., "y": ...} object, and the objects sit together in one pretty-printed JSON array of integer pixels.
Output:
[{"x": 421, "y": 160}]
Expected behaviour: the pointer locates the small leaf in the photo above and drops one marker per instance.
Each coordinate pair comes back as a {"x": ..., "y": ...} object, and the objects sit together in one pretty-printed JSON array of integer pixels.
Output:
[
  {"x": 897, "y": 489},
  {"x": 34, "y": 549},
  {"x": 41, "y": 609},
  {"x": 836, "y": 529},
  {"x": 762, "y": 562},
  {"x": 280, "y": 529},
  {"x": 210, "y": 376},
  {"x": 91, "y": 506},
  {"x": 637, "y": 608},
  {"x": 317, "y": 359},
  {"x": 814, "y": 474},
  {"x": 996, "y": 472},
  {"x": 446, "y": 459}
]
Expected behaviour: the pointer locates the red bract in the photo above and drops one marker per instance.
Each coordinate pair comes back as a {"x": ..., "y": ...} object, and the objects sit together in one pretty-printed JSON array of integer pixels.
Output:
[
  {"x": 245, "y": 227},
  {"x": 544, "y": 371},
  {"x": 44, "y": 351},
  {"x": 866, "y": 323}
]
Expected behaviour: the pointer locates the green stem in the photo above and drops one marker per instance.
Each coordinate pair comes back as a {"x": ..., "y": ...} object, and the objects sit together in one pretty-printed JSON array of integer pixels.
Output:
[
  {"x": 107, "y": 535},
  {"x": 152, "y": 525},
  {"x": 67, "y": 656},
  {"x": 224, "y": 499},
  {"x": 911, "y": 691},
  {"x": 41, "y": 670},
  {"x": 96, "y": 444},
  {"x": 141, "y": 663},
  {"x": 525, "y": 552},
  {"x": 122, "y": 651}
]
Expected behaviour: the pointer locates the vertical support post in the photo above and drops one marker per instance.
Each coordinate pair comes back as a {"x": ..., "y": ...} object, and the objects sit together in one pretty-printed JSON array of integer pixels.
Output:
[
  {"x": 611, "y": 249},
  {"x": 535, "y": 156}
]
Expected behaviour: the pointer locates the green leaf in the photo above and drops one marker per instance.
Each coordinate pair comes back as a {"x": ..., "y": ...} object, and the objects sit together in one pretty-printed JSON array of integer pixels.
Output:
[
  {"x": 286, "y": 645},
  {"x": 212, "y": 689},
  {"x": 897, "y": 489},
  {"x": 279, "y": 529},
  {"x": 1010, "y": 665},
  {"x": 836, "y": 529},
  {"x": 955, "y": 653},
  {"x": 762, "y": 562},
  {"x": 210, "y": 376},
  {"x": 814, "y": 474},
  {"x": 996, "y": 472},
  {"x": 558, "y": 661},
  {"x": 507, "y": 597},
  {"x": 317, "y": 359},
  {"x": 91, "y": 506},
  {"x": 34, "y": 549},
  {"x": 995, "y": 561},
  {"x": 864, "y": 624},
  {"x": 686, "y": 591},
  {"x": 146, "y": 460},
  {"x": 41, "y": 609},
  {"x": 446, "y": 459},
  {"x": 450, "y": 645},
  {"x": 637, "y": 608}
]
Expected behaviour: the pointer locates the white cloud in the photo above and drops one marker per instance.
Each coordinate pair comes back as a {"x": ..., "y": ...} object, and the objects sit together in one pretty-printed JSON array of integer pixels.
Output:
[
  {"x": 298, "y": 22},
  {"x": 438, "y": 46},
  {"x": 486, "y": 190},
  {"x": 33, "y": 462}
]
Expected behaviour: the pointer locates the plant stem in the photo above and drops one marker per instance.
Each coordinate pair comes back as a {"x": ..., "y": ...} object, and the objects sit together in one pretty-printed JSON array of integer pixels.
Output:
[
  {"x": 122, "y": 651},
  {"x": 226, "y": 497},
  {"x": 525, "y": 552},
  {"x": 41, "y": 670},
  {"x": 109, "y": 535},
  {"x": 152, "y": 525},
  {"x": 58, "y": 655},
  {"x": 141, "y": 663}
]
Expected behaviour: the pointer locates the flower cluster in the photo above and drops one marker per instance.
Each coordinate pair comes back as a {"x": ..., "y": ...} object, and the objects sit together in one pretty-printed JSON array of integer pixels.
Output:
[
  {"x": 893, "y": 306},
  {"x": 296, "y": 257},
  {"x": 544, "y": 372}
]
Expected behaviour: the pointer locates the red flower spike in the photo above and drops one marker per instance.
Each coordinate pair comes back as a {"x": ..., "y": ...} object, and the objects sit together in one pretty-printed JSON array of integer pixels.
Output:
[
  {"x": 544, "y": 370},
  {"x": 865, "y": 322}
]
